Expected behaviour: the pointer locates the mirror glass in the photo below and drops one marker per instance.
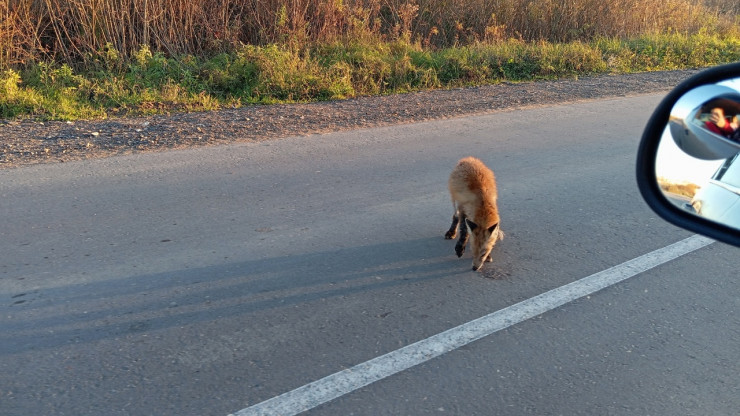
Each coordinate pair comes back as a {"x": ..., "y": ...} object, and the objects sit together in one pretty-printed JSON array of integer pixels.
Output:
[{"x": 698, "y": 159}]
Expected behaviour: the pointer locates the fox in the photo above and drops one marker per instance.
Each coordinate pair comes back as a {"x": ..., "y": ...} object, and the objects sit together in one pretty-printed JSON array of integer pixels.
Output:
[{"x": 473, "y": 190}]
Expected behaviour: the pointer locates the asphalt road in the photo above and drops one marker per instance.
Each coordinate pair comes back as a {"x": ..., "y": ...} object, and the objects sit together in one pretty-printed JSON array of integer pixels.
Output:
[{"x": 207, "y": 281}]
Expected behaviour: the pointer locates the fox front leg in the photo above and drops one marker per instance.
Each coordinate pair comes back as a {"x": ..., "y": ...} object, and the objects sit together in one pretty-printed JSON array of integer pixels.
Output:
[{"x": 460, "y": 246}]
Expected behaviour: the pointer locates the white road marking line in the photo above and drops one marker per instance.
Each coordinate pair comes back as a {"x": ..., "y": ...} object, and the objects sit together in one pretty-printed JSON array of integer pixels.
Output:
[{"x": 346, "y": 381}]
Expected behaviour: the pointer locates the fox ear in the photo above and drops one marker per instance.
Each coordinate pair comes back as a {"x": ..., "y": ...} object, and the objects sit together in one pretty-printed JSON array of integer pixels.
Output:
[
  {"x": 493, "y": 227},
  {"x": 471, "y": 224}
]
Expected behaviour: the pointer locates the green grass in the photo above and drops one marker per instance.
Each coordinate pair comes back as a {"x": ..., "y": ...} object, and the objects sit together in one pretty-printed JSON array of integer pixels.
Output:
[{"x": 152, "y": 83}]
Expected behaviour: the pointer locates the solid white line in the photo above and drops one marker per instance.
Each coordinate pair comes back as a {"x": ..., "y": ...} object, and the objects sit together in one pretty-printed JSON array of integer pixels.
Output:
[{"x": 346, "y": 381}]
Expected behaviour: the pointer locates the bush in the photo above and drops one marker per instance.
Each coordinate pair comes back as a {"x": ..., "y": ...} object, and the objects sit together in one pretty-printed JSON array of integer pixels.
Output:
[{"x": 154, "y": 83}]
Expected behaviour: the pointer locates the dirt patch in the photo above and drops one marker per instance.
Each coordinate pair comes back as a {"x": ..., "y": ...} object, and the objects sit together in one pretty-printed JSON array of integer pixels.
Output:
[{"x": 28, "y": 142}]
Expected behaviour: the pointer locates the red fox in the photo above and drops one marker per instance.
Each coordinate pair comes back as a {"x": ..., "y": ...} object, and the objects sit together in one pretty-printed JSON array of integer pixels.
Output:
[{"x": 473, "y": 191}]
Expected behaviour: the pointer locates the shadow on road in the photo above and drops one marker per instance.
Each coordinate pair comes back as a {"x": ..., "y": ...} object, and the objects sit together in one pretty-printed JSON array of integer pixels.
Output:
[{"x": 114, "y": 308}]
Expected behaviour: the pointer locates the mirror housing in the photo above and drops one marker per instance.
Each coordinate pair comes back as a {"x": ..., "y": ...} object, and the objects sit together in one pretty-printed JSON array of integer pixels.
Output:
[{"x": 691, "y": 139}]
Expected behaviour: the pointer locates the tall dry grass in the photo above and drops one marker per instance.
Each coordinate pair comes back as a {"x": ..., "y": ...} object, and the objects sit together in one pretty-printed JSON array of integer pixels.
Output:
[{"x": 79, "y": 31}]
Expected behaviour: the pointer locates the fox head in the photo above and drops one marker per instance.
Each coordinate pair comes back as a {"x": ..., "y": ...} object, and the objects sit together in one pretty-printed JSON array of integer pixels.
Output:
[{"x": 482, "y": 241}]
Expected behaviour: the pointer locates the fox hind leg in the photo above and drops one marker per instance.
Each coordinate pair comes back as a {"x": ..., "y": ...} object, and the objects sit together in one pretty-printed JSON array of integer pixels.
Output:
[
  {"x": 463, "y": 240},
  {"x": 452, "y": 232}
]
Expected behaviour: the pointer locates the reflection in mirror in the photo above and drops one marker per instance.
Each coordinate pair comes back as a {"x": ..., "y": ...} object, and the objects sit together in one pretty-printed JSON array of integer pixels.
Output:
[
  {"x": 704, "y": 122},
  {"x": 698, "y": 159}
]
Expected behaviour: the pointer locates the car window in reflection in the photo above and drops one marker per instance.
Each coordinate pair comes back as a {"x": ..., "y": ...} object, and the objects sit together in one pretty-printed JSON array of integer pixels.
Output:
[
  {"x": 721, "y": 117},
  {"x": 729, "y": 172}
]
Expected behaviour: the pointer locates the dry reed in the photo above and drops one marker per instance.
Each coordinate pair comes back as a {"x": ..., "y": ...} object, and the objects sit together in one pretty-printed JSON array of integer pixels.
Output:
[{"x": 78, "y": 31}]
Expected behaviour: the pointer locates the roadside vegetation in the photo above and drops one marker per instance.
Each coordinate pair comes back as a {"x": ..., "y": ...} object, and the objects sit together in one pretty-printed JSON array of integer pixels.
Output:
[
  {"x": 687, "y": 190},
  {"x": 73, "y": 59}
]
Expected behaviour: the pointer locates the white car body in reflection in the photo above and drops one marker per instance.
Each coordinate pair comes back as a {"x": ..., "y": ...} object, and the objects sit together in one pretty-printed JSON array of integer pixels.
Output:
[{"x": 719, "y": 199}]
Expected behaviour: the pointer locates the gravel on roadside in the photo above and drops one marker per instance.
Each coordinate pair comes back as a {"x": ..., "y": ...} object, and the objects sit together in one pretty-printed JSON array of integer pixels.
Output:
[{"x": 31, "y": 142}]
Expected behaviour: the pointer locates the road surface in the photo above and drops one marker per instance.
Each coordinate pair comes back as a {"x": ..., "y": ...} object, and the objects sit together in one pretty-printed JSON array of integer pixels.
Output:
[{"x": 209, "y": 281}]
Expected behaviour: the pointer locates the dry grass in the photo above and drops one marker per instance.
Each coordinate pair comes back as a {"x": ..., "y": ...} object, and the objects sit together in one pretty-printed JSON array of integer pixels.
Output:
[
  {"x": 687, "y": 190},
  {"x": 70, "y": 59},
  {"x": 80, "y": 31}
]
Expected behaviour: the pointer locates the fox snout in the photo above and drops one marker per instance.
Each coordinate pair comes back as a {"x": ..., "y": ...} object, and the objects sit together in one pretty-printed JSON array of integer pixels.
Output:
[{"x": 478, "y": 261}]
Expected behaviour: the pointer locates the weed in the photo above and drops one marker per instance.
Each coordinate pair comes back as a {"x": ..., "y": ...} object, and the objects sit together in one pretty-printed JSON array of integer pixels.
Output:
[{"x": 69, "y": 60}]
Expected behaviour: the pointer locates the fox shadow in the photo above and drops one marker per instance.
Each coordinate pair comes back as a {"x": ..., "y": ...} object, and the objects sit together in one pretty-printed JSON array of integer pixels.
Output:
[{"x": 149, "y": 302}]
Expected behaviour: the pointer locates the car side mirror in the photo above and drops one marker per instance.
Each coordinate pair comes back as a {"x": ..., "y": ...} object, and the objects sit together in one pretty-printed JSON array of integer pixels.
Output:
[{"x": 688, "y": 162}]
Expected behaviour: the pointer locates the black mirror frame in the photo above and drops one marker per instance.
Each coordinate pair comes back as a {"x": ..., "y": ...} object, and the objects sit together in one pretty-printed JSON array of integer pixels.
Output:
[{"x": 646, "y": 176}]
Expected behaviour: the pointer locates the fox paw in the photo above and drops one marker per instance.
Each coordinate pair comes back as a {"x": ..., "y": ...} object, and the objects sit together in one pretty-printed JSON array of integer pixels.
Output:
[{"x": 459, "y": 249}]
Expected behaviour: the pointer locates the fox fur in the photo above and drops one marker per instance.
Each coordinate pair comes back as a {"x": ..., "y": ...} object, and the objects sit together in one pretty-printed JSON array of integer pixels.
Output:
[{"x": 473, "y": 190}]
